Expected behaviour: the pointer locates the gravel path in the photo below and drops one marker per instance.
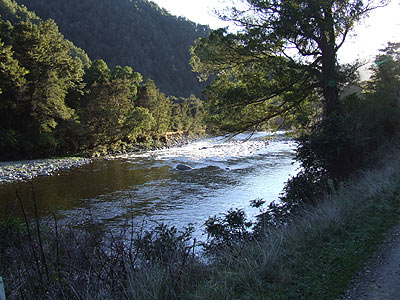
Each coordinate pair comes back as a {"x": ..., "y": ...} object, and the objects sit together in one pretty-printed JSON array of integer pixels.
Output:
[
  {"x": 380, "y": 279},
  {"x": 14, "y": 171}
]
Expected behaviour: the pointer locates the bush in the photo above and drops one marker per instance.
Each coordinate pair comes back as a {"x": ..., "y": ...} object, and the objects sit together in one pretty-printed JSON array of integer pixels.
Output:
[
  {"x": 40, "y": 260},
  {"x": 226, "y": 232},
  {"x": 340, "y": 145},
  {"x": 163, "y": 244}
]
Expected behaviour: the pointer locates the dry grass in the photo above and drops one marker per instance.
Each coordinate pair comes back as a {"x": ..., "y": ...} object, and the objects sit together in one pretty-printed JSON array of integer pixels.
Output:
[
  {"x": 284, "y": 259},
  {"x": 313, "y": 257}
]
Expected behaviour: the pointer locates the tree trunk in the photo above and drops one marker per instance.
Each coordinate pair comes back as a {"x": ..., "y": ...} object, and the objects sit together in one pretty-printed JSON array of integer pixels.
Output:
[{"x": 330, "y": 82}]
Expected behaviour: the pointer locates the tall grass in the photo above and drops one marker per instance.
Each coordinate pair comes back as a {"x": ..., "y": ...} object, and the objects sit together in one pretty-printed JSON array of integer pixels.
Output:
[
  {"x": 312, "y": 257},
  {"x": 297, "y": 261}
]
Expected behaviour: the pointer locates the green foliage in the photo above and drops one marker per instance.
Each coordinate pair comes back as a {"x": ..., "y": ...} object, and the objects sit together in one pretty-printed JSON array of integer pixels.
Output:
[
  {"x": 226, "y": 232},
  {"x": 249, "y": 90},
  {"x": 98, "y": 71},
  {"x": 70, "y": 135},
  {"x": 385, "y": 81},
  {"x": 10, "y": 10},
  {"x": 338, "y": 146},
  {"x": 108, "y": 103},
  {"x": 135, "y": 33},
  {"x": 281, "y": 63},
  {"x": 37, "y": 72},
  {"x": 161, "y": 111},
  {"x": 54, "y": 100},
  {"x": 117, "y": 107},
  {"x": 138, "y": 123},
  {"x": 158, "y": 105},
  {"x": 79, "y": 55},
  {"x": 162, "y": 244},
  {"x": 12, "y": 75},
  {"x": 188, "y": 115}
]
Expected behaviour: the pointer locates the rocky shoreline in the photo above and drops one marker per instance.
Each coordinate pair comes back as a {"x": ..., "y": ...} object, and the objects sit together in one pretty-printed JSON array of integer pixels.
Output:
[
  {"x": 23, "y": 170},
  {"x": 17, "y": 171}
]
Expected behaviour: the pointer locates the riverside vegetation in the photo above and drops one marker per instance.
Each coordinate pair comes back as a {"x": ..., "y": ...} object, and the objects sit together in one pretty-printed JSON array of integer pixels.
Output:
[
  {"x": 309, "y": 254},
  {"x": 313, "y": 257},
  {"x": 307, "y": 247},
  {"x": 330, "y": 218},
  {"x": 56, "y": 101}
]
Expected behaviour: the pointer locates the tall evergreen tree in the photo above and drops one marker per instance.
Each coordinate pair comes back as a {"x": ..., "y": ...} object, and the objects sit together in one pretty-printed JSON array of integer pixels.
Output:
[
  {"x": 285, "y": 53},
  {"x": 108, "y": 101},
  {"x": 37, "y": 71},
  {"x": 158, "y": 105}
]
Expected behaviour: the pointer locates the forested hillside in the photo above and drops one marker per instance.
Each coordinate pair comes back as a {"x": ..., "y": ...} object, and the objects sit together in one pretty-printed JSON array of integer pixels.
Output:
[
  {"x": 55, "y": 101},
  {"x": 136, "y": 33}
]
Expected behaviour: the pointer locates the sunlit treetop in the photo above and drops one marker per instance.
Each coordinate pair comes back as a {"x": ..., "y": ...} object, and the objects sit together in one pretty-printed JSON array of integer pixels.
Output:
[{"x": 294, "y": 44}]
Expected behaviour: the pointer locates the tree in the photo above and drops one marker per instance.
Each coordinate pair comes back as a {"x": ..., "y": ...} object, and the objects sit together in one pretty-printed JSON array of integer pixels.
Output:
[
  {"x": 12, "y": 80},
  {"x": 130, "y": 32},
  {"x": 285, "y": 53},
  {"x": 187, "y": 114},
  {"x": 109, "y": 101},
  {"x": 383, "y": 90},
  {"x": 148, "y": 93},
  {"x": 11, "y": 74},
  {"x": 138, "y": 123},
  {"x": 37, "y": 72},
  {"x": 158, "y": 105},
  {"x": 98, "y": 71},
  {"x": 341, "y": 144},
  {"x": 385, "y": 79},
  {"x": 42, "y": 50}
]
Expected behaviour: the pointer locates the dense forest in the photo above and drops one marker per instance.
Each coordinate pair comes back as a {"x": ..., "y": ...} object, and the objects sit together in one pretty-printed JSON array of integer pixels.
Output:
[
  {"x": 135, "y": 33},
  {"x": 54, "y": 100}
]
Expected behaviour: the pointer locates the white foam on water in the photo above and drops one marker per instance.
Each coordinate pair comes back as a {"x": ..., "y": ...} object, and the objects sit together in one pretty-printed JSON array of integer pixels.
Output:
[{"x": 218, "y": 149}]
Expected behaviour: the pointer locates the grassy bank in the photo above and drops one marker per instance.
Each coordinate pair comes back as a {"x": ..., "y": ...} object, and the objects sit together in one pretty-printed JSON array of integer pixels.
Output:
[{"x": 313, "y": 257}]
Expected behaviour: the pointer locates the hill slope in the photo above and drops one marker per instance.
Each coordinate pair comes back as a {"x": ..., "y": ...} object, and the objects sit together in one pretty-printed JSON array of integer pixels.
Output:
[{"x": 137, "y": 33}]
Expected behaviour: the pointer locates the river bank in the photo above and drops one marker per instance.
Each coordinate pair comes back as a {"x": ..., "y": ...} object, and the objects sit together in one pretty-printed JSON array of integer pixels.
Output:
[
  {"x": 314, "y": 257},
  {"x": 23, "y": 170}
]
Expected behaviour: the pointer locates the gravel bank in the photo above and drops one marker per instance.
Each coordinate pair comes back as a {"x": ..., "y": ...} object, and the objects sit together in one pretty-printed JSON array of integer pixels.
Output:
[
  {"x": 23, "y": 170},
  {"x": 15, "y": 171}
]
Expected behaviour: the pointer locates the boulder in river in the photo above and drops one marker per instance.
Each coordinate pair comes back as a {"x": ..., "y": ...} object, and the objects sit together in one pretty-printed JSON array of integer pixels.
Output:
[{"x": 183, "y": 167}]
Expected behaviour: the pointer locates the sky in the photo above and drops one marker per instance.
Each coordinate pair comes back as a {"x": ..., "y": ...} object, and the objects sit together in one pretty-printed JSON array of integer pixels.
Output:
[
  {"x": 382, "y": 25},
  {"x": 199, "y": 11}
]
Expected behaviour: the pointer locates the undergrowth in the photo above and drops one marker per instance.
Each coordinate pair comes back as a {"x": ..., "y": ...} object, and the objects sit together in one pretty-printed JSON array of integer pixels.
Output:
[
  {"x": 312, "y": 256},
  {"x": 315, "y": 255}
]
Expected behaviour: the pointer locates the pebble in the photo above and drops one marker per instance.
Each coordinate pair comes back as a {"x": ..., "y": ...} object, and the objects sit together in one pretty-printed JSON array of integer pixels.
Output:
[{"x": 18, "y": 171}]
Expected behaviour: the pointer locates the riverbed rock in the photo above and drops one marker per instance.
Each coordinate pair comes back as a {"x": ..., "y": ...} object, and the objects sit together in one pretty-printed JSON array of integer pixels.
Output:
[
  {"x": 16, "y": 171},
  {"x": 182, "y": 167}
]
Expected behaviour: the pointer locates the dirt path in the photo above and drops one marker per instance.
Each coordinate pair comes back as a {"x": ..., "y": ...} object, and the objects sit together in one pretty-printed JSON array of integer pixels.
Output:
[{"x": 380, "y": 279}]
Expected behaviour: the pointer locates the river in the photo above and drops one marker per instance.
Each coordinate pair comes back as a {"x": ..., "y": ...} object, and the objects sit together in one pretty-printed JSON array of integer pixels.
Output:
[{"x": 147, "y": 187}]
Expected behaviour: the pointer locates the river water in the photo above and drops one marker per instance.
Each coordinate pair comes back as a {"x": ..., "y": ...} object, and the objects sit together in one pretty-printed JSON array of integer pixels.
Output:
[{"x": 226, "y": 173}]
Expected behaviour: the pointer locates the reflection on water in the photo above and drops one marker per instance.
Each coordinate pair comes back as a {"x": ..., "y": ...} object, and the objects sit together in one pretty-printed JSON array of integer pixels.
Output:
[{"x": 225, "y": 174}]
